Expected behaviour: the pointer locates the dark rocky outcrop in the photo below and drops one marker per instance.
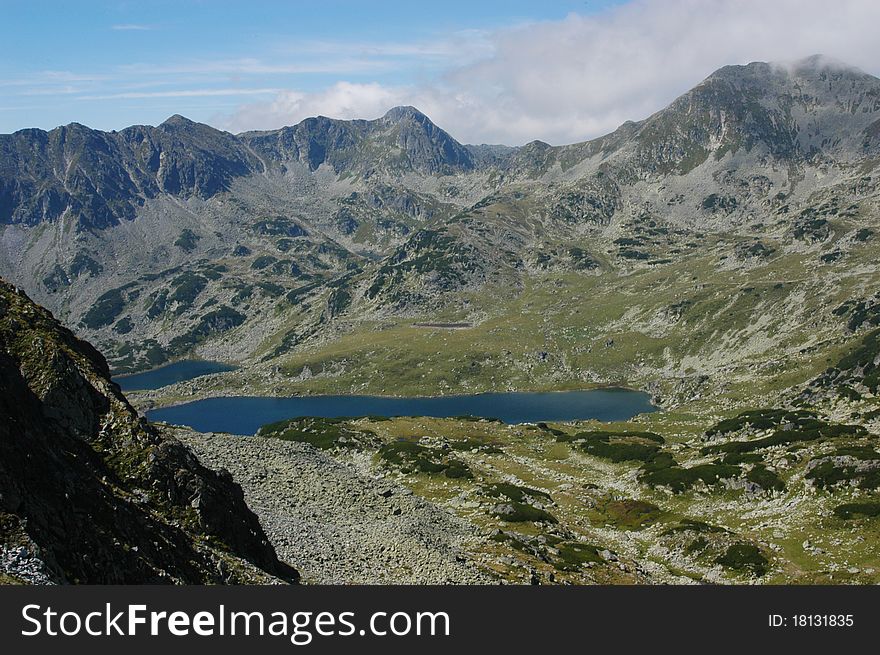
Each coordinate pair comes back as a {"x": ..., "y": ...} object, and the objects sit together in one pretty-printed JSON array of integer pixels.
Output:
[{"x": 91, "y": 493}]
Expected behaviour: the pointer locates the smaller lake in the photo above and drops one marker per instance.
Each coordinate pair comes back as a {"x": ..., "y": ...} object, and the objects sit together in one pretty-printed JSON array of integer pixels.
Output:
[
  {"x": 157, "y": 378},
  {"x": 245, "y": 415}
]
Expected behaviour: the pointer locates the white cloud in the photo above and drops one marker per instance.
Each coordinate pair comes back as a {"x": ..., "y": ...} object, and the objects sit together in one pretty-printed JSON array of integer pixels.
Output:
[
  {"x": 577, "y": 78},
  {"x": 342, "y": 100},
  {"x": 181, "y": 93},
  {"x": 458, "y": 48},
  {"x": 131, "y": 27},
  {"x": 254, "y": 66}
]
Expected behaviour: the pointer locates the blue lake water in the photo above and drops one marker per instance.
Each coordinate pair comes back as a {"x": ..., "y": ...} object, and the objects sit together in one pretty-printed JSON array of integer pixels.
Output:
[
  {"x": 244, "y": 415},
  {"x": 177, "y": 372}
]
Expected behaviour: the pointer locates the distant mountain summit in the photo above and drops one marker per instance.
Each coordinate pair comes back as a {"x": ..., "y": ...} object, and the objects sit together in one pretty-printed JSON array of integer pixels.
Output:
[
  {"x": 812, "y": 107},
  {"x": 402, "y": 140}
]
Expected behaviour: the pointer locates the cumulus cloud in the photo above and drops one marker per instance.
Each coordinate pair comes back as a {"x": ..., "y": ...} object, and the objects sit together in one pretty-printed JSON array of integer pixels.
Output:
[
  {"x": 342, "y": 100},
  {"x": 580, "y": 77}
]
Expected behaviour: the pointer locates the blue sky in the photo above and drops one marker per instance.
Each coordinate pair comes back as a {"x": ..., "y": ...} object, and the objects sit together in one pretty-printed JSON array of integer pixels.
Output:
[
  {"x": 486, "y": 70},
  {"x": 112, "y": 64}
]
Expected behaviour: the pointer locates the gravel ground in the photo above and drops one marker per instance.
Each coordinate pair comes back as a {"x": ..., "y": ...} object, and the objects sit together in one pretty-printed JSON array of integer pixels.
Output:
[{"x": 336, "y": 525}]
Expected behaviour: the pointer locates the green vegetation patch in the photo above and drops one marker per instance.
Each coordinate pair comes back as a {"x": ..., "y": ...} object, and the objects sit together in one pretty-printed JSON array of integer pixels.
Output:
[
  {"x": 793, "y": 427},
  {"x": 863, "y": 235},
  {"x": 714, "y": 203},
  {"x": 681, "y": 479},
  {"x": 564, "y": 554},
  {"x": 744, "y": 557},
  {"x": 279, "y": 227},
  {"x": 157, "y": 303},
  {"x": 516, "y": 493},
  {"x": 811, "y": 229},
  {"x": 56, "y": 279},
  {"x": 82, "y": 263},
  {"x": 691, "y": 525},
  {"x": 581, "y": 260},
  {"x": 338, "y": 301},
  {"x": 430, "y": 253},
  {"x": 852, "y": 466},
  {"x": 187, "y": 241},
  {"x": 756, "y": 250},
  {"x": 187, "y": 287},
  {"x": 765, "y": 478},
  {"x": 699, "y": 540},
  {"x": 324, "y": 433},
  {"x": 742, "y": 458},
  {"x": 219, "y": 320},
  {"x": 572, "y": 555},
  {"x": 630, "y": 514},
  {"x": 862, "y": 360},
  {"x": 860, "y": 313},
  {"x": 270, "y": 289},
  {"x": 131, "y": 358},
  {"x": 412, "y": 457},
  {"x": 105, "y": 310},
  {"x": 846, "y": 391},
  {"x": 617, "y": 446},
  {"x": 263, "y": 261},
  {"x": 760, "y": 419},
  {"x": 123, "y": 326},
  {"x": 848, "y": 511},
  {"x": 515, "y": 512}
]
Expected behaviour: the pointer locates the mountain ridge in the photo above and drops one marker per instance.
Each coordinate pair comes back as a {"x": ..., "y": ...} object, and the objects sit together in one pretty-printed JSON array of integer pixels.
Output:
[
  {"x": 335, "y": 224},
  {"x": 107, "y": 176}
]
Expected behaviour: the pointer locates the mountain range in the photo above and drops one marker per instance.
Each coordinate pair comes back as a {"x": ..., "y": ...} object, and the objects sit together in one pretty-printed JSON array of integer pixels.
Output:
[{"x": 285, "y": 249}]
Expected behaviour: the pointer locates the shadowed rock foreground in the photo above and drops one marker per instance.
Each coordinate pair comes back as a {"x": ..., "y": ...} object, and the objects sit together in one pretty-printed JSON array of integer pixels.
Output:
[{"x": 89, "y": 492}]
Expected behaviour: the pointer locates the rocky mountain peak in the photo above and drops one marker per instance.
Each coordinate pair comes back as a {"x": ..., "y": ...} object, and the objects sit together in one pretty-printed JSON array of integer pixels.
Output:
[
  {"x": 405, "y": 112},
  {"x": 178, "y": 122},
  {"x": 177, "y": 119},
  {"x": 791, "y": 111}
]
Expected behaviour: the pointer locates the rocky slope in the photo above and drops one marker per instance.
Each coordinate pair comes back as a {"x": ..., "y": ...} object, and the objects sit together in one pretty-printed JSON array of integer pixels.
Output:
[
  {"x": 343, "y": 525},
  {"x": 89, "y": 492}
]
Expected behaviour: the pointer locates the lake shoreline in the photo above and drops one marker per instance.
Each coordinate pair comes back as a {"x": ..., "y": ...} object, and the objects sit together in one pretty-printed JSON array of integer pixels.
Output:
[
  {"x": 172, "y": 373},
  {"x": 245, "y": 414},
  {"x": 213, "y": 394},
  {"x": 114, "y": 375}
]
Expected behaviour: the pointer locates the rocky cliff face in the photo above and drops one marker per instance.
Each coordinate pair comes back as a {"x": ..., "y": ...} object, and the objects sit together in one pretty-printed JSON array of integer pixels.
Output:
[{"x": 89, "y": 492}]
